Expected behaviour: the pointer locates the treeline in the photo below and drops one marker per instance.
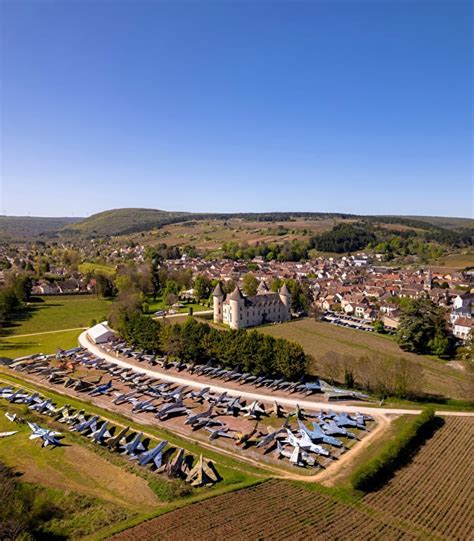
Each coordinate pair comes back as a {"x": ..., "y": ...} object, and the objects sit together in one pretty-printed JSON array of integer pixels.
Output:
[
  {"x": 396, "y": 453},
  {"x": 13, "y": 295},
  {"x": 343, "y": 238},
  {"x": 193, "y": 342}
]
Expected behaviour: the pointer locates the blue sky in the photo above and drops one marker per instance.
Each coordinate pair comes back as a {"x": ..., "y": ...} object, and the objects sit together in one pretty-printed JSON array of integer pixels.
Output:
[{"x": 351, "y": 106}]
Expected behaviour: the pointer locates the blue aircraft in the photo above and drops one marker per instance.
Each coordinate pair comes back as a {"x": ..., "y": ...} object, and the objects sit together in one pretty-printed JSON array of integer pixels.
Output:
[
  {"x": 154, "y": 455},
  {"x": 318, "y": 435}
]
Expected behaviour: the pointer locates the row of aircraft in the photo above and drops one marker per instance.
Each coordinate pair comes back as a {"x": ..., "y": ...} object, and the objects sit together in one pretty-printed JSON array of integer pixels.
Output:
[
  {"x": 147, "y": 395},
  {"x": 122, "y": 440}
]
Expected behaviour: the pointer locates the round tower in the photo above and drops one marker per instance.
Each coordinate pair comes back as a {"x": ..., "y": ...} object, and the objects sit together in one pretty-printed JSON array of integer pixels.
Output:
[
  {"x": 285, "y": 297},
  {"x": 236, "y": 301},
  {"x": 218, "y": 298}
]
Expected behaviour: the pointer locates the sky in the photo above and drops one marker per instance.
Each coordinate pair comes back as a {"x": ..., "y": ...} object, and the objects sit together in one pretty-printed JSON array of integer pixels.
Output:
[{"x": 215, "y": 106}]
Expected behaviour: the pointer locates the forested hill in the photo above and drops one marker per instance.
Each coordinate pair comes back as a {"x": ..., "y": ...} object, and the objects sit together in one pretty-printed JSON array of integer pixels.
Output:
[{"x": 19, "y": 228}]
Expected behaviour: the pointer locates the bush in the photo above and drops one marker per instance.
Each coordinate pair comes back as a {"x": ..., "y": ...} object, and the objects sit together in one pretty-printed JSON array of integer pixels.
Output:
[{"x": 375, "y": 472}]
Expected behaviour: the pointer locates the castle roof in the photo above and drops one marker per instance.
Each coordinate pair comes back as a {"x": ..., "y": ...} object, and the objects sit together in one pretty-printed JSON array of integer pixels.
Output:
[
  {"x": 262, "y": 287},
  {"x": 236, "y": 294},
  {"x": 284, "y": 290},
  {"x": 218, "y": 291}
]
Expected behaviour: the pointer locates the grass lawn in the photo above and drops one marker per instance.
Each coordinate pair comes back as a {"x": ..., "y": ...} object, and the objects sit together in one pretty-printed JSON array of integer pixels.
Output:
[
  {"x": 159, "y": 304},
  {"x": 321, "y": 339},
  {"x": 17, "y": 346},
  {"x": 53, "y": 313}
]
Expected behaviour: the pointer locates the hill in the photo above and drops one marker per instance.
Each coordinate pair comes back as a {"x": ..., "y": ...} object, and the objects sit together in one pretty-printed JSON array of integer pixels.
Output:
[
  {"x": 122, "y": 221},
  {"x": 19, "y": 228}
]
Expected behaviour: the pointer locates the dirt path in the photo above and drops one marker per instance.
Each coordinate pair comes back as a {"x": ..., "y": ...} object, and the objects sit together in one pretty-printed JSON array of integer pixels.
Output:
[
  {"x": 45, "y": 332},
  {"x": 267, "y": 398}
]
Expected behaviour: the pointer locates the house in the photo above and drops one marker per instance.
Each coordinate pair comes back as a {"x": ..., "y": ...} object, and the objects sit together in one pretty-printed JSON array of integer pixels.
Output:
[
  {"x": 240, "y": 311},
  {"x": 462, "y": 327}
]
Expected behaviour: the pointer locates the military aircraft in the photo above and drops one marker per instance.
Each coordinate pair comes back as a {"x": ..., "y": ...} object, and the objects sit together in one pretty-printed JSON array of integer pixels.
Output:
[
  {"x": 122, "y": 398},
  {"x": 175, "y": 467},
  {"x": 317, "y": 434},
  {"x": 133, "y": 446},
  {"x": 116, "y": 441},
  {"x": 5, "y": 392},
  {"x": 343, "y": 419},
  {"x": 305, "y": 443},
  {"x": 42, "y": 406},
  {"x": 254, "y": 410},
  {"x": 143, "y": 405},
  {"x": 6, "y": 434},
  {"x": 297, "y": 456},
  {"x": 194, "y": 418},
  {"x": 16, "y": 396},
  {"x": 223, "y": 432},
  {"x": 101, "y": 434},
  {"x": 201, "y": 395},
  {"x": 332, "y": 429},
  {"x": 49, "y": 437},
  {"x": 278, "y": 410},
  {"x": 234, "y": 406},
  {"x": 217, "y": 400},
  {"x": 89, "y": 425},
  {"x": 203, "y": 474},
  {"x": 171, "y": 410},
  {"x": 12, "y": 417},
  {"x": 101, "y": 389},
  {"x": 154, "y": 455},
  {"x": 245, "y": 438},
  {"x": 272, "y": 435}
]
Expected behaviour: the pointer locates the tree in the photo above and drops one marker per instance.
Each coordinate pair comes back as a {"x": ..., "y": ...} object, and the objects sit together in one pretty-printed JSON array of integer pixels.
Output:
[
  {"x": 423, "y": 329},
  {"x": 202, "y": 287},
  {"x": 250, "y": 284},
  {"x": 379, "y": 326}
]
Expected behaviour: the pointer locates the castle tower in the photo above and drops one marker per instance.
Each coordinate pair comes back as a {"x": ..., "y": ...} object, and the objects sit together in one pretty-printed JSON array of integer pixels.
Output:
[
  {"x": 262, "y": 288},
  {"x": 236, "y": 301},
  {"x": 428, "y": 285},
  {"x": 285, "y": 297},
  {"x": 218, "y": 297}
]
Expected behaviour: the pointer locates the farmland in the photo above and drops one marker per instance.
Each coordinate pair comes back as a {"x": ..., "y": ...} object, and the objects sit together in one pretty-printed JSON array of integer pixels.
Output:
[
  {"x": 426, "y": 499},
  {"x": 323, "y": 340}
]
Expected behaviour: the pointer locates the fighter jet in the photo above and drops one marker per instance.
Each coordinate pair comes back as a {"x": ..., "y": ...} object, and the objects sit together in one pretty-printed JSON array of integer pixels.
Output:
[
  {"x": 5, "y": 392},
  {"x": 12, "y": 417},
  {"x": 154, "y": 455},
  {"x": 201, "y": 395},
  {"x": 101, "y": 434},
  {"x": 17, "y": 396},
  {"x": 318, "y": 435},
  {"x": 122, "y": 398},
  {"x": 218, "y": 400},
  {"x": 223, "y": 432},
  {"x": 194, "y": 418},
  {"x": 245, "y": 438},
  {"x": 297, "y": 456},
  {"x": 234, "y": 406},
  {"x": 278, "y": 410},
  {"x": 305, "y": 443},
  {"x": 332, "y": 429},
  {"x": 203, "y": 474},
  {"x": 171, "y": 410},
  {"x": 49, "y": 437},
  {"x": 254, "y": 410},
  {"x": 42, "y": 407},
  {"x": 89, "y": 425},
  {"x": 133, "y": 446},
  {"x": 174, "y": 468},
  {"x": 116, "y": 441},
  {"x": 6, "y": 434},
  {"x": 101, "y": 389},
  {"x": 343, "y": 419},
  {"x": 143, "y": 405}
]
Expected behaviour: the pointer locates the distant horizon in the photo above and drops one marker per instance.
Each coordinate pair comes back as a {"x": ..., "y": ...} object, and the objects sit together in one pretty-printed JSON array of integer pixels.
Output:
[
  {"x": 364, "y": 107},
  {"x": 218, "y": 212}
]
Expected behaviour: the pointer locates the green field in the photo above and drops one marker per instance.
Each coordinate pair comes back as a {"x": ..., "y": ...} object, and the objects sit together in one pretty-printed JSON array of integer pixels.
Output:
[
  {"x": 159, "y": 304},
  {"x": 36, "y": 329},
  {"x": 323, "y": 340}
]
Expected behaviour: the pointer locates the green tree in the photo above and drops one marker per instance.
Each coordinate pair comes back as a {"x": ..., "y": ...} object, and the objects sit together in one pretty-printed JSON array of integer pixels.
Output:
[
  {"x": 250, "y": 284},
  {"x": 202, "y": 287}
]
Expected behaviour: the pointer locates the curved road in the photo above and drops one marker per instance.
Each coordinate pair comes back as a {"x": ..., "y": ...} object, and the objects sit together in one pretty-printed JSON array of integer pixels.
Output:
[{"x": 283, "y": 400}]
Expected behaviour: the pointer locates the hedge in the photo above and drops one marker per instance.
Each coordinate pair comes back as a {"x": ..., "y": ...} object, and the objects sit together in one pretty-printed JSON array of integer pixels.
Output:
[{"x": 377, "y": 470}]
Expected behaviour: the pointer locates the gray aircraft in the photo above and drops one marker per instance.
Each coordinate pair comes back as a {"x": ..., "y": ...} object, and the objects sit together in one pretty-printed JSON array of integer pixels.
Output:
[
  {"x": 43, "y": 406},
  {"x": 101, "y": 434},
  {"x": 175, "y": 467},
  {"x": 122, "y": 398},
  {"x": 143, "y": 405},
  {"x": 317, "y": 434},
  {"x": 89, "y": 425},
  {"x": 101, "y": 389},
  {"x": 223, "y": 432},
  {"x": 171, "y": 410},
  {"x": 48, "y": 437},
  {"x": 133, "y": 446},
  {"x": 201, "y": 395},
  {"x": 154, "y": 455},
  {"x": 194, "y": 418},
  {"x": 254, "y": 410},
  {"x": 234, "y": 406},
  {"x": 297, "y": 456},
  {"x": 332, "y": 429},
  {"x": 278, "y": 410}
]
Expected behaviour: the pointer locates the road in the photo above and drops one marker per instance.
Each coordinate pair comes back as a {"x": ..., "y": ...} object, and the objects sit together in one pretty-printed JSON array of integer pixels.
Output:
[{"x": 281, "y": 399}]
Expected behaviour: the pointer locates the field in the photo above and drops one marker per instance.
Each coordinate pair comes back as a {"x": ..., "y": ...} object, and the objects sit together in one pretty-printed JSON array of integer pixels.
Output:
[
  {"x": 159, "y": 304},
  {"x": 436, "y": 490},
  {"x": 322, "y": 340},
  {"x": 456, "y": 261},
  {"x": 431, "y": 498},
  {"x": 210, "y": 235},
  {"x": 51, "y": 322}
]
